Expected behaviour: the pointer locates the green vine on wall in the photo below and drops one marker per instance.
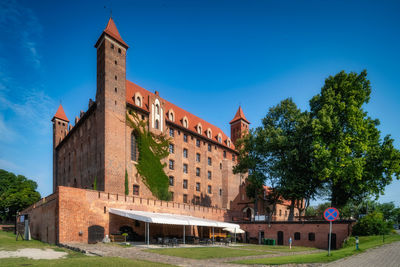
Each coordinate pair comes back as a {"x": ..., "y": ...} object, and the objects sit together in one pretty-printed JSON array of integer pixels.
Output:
[{"x": 152, "y": 149}]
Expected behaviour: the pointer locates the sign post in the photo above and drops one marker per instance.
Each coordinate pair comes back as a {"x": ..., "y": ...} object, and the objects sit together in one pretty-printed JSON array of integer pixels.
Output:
[{"x": 330, "y": 214}]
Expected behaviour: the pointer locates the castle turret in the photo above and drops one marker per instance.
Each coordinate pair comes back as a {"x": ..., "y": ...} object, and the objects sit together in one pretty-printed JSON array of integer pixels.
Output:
[
  {"x": 111, "y": 107},
  {"x": 60, "y": 129},
  {"x": 239, "y": 125}
]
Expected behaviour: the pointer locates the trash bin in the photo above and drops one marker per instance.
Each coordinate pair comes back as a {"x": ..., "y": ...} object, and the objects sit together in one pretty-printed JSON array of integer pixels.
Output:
[
  {"x": 265, "y": 241},
  {"x": 273, "y": 242}
]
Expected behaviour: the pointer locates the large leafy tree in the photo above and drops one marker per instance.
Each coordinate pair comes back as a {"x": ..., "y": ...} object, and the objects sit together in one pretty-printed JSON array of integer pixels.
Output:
[
  {"x": 279, "y": 152},
  {"x": 16, "y": 193},
  {"x": 349, "y": 155}
]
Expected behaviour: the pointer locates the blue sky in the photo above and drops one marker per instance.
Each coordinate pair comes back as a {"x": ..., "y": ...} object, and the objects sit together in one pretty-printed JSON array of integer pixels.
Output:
[{"x": 205, "y": 56}]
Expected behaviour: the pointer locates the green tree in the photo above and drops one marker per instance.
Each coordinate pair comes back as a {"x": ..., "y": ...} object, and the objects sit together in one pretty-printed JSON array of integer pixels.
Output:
[
  {"x": 286, "y": 140},
  {"x": 16, "y": 193},
  {"x": 126, "y": 183},
  {"x": 349, "y": 155}
]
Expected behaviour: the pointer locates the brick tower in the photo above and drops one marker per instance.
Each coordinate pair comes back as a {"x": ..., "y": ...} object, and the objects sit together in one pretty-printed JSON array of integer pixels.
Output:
[
  {"x": 111, "y": 108},
  {"x": 60, "y": 129},
  {"x": 239, "y": 125}
]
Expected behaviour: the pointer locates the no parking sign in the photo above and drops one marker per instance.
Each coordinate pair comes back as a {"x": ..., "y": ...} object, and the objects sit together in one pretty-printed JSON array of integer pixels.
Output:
[{"x": 330, "y": 214}]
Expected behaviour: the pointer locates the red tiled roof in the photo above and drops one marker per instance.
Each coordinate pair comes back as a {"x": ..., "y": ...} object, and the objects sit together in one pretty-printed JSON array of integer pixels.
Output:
[
  {"x": 284, "y": 201},
  {"x": 112, "y": 31},
  {"x": 132, "y": 88},
  {"x": 239, "y": 116},
  {"x": 60, "y": 114}
]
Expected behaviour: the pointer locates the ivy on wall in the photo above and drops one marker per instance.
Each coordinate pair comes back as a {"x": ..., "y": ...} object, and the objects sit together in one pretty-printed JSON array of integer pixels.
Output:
[{"x": 152, "y": 149}]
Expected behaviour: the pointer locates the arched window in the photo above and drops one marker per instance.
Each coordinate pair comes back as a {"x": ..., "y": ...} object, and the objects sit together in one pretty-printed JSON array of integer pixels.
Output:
[
  {"x": 157, "y": 110},
  {"x": 209, "y": 133},
  {"x": 185, "y": 123},
  {"x": 171, "y": 116},
  {"x": 138, "y": 101},
  {"x": 156, "y": 124},
  {"x": 133, "y": 147}
]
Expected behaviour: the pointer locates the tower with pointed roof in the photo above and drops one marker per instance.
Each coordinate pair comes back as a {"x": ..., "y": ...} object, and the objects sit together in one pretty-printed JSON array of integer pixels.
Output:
[
  {"x": 239, "y": 125},
  {"x": 111, "y": 106},
  {"x": 60, "y": 130}
]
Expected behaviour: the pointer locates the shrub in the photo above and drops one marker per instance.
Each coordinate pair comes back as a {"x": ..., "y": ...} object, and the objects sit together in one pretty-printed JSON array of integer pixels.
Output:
[{"x": 372, "y": 224}]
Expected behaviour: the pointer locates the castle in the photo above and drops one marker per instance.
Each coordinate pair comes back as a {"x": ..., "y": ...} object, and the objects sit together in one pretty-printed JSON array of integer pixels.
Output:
[
  {"x": 101, "y": 146},
  {"x": 97, "y": 189}
]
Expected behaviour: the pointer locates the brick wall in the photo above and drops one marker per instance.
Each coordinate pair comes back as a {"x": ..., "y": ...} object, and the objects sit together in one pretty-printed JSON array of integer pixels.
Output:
[
  {"x": 81, "y": 209},
  {"x": 342, "y": 229}
]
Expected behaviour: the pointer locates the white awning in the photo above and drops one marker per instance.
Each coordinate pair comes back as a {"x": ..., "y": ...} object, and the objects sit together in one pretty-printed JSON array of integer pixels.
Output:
[
  {"x": 234, "y": 230},
  {"x": 168, "y": 218}
]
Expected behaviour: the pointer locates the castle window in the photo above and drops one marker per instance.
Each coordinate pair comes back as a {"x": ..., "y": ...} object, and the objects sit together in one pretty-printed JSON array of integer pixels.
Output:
[
  {"x": 119, "y": 50},
  {"x": 209, "y": 147},
  {"x": 280, "y": 212},
  {"x": 209, "y": 133},
  {"x": 185, "y": 184},
  {"x": 220, "y": 192},
  {"x": 209, "y": 175},
  {"x": 185, "y": 168},
  {"x": 116, "y": 63},
  {"x": 112, "y": 46},
  {"x": 138, "y": 101},
  {"x": 229, "y": 143},
  {"x": 171, "y": 164},
  {"x": 171, "y": 148},
  {"x": 220, "y": 166},
  {"x": 197, "y": 142},
  {"x": 197, "y": 157},
  {"x": 135, "y": 190},
  {"x": 157, "y": 109},
  {"x": 184, "y": 198},
  {"x": 185, "y": 153},
  {"x": 297, "y": 236},
  {"x": 185, "y": 138},
  {"x": 171, "y": 116},
  {"x": 209, "y": 161},
  {"x": 224, "y": 154},
  {"x": 185, "y": 122},
  {"x": 116, "y": 90},
  {"x": 199, "y": 130},
  {"x": 133, "y": 147},
  {"x": 171, "y": 180},
  {"x": 171, "y": 132},
  {"x": 115, "y": 77},
  {"x": 209, "y": 189},
  {"x": 197, "y": 171},
  {"x": 198, "y": 187},
  {"x": 156, "y": 124},
  {"x": 311, "y": 236}
]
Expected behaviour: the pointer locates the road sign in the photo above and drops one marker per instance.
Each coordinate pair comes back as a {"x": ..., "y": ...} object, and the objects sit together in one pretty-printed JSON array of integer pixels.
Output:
[{"x": 331, "y": 214}]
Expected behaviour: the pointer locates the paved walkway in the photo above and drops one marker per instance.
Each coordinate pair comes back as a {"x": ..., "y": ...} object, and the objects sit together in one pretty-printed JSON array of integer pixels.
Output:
[
  {"x": 383, "y": 256},
  {"x": 139, "y": 253}
]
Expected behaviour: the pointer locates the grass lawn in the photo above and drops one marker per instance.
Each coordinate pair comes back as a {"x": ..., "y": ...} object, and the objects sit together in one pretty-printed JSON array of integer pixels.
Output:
[
  {"x": 276, "y": 248},
  {"x": 366, "y": 242},
  {"x": 206, "y": 252},
  {"x": 7, "y": 242}
]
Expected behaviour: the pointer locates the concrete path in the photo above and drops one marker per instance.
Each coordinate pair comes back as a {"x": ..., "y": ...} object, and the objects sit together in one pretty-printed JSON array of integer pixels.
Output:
[{"x": 383, "y": 256}]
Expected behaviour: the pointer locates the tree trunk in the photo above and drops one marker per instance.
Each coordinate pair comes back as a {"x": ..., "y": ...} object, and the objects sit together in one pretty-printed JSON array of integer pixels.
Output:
[{"x": 291, "y": 211}]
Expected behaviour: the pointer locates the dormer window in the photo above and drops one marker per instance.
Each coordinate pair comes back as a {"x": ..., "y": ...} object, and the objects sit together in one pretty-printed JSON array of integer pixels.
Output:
[
  {"x": 219, "y": 138},
  {"x": 185, "y": 122},
  {"x": 171, "y": 117},
  {"x": 138, "y": 102},
  {"x": 199, "y": 128},
  {"x": 209, "y": 134},
  {"x": 228, "y": 142}
]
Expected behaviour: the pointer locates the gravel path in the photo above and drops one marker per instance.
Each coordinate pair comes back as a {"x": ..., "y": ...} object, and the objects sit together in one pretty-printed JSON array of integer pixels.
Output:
[
  {"x": 139, "y": 253},
  {"x": 386, "y": 255},
  {"x": 33, "y": 253}
]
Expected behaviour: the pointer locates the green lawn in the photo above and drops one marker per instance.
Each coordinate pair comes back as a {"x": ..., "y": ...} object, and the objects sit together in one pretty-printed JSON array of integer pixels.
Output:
[
  {"x": 275, "y": 248},
  {"x": 7, "y": 242},
  {"x": 366, "y": 242},
  {"x": 206, "y": 252}
]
